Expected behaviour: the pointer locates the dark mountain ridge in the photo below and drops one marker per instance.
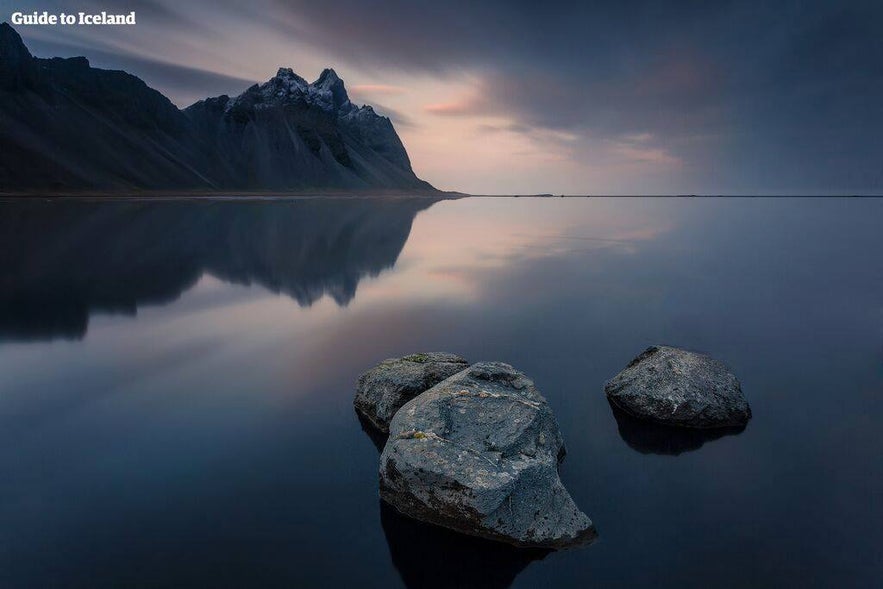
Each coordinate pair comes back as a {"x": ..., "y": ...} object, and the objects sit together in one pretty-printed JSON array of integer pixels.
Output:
[{"x": 68, "y": 127}]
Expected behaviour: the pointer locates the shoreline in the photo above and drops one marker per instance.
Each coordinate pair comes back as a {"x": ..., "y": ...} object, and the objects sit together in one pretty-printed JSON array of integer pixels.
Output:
[
  {"x": 168, "y": 195},
  {"x": 224, "y": 196}
]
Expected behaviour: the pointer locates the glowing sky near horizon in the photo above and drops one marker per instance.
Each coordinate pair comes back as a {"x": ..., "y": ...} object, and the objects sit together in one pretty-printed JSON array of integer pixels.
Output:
[{"x": 564, "y": 97}]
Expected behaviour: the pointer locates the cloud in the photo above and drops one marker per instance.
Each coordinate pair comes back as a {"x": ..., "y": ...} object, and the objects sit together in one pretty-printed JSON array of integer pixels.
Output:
[
  {"x": 454, "y": 109},
  {"x": 503, "y": 128},
  {"x": 376, "y": 89},
  {"x": 399, "y": 119},
  {"x": 640, "y": 153}
]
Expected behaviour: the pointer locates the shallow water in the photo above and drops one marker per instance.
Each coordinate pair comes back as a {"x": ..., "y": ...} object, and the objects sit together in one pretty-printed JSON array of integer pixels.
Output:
[{"x": 176, "y": 383}]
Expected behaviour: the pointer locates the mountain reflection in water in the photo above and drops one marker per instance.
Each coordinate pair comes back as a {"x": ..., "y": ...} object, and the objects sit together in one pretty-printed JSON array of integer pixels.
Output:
[{"x": 62, "y": 261}]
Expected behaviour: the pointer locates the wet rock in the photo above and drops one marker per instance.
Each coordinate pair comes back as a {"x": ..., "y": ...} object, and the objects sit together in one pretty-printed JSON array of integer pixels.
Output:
[
  {"x": 385, "y": 388},
  {"x": 676, "y": 387},
  {"x": 478, "y": 453}
]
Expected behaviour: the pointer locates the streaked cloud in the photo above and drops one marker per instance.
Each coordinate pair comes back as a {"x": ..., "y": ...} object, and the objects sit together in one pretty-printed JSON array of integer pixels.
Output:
[
  {"x": 453, "y": 109},
  {"x": 376, "y": 89}
]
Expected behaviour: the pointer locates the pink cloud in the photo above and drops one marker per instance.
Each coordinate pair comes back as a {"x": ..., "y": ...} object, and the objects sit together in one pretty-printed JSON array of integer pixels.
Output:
[
  {"x": 639, "y": 148},
  {"x": 454, "y": 109}
]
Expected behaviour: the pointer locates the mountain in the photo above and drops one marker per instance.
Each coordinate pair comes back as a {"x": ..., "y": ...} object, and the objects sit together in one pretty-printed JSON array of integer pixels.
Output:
[
  {"x": 287, "y": 133},
  {"x": 68, "y": 127}
]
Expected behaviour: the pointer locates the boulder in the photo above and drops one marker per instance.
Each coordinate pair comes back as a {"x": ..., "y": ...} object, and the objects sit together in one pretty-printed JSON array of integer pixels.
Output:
[
  {"x": 478, "y": 453},
  {"x": 676, "y": 387},
  {"x": 385, "y": 388}
]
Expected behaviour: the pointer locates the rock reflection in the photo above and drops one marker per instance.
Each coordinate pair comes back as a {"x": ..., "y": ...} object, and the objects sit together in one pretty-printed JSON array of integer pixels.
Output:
[
  {"x": 431, "y": 557},
  {"x": 61, "y": 261},
  {"x": 653, "y": 438},
  {"x": 377, "y": 437}
]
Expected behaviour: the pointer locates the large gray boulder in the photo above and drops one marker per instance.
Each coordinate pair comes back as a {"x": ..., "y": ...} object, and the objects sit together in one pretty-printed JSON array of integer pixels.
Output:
[
  {"x": 478, "y": 453},
  {"x": 676, "y": 387},
  {"x": 385, "y": 388}
]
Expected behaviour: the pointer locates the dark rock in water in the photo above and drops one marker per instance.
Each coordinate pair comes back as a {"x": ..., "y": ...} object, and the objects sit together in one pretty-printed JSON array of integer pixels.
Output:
[
  {"x": 648, "y": 437},
  {"x": 385, "y": 388},
  {"x": 430, "y": 557},
  {"x": 676, "y": 387},
  {"x": 478, "y": 453}
]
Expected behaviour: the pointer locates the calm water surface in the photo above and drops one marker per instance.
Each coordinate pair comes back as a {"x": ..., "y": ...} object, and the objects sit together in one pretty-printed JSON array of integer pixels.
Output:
[{"x": 176, "y": 383}]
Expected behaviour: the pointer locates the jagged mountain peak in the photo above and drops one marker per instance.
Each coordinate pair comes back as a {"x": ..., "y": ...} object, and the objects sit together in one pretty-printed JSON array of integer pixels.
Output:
[
  {"x": 330, "y": 81},
  {"x": 328, "y": 73},
  {"x": 327, "y": 93},
  {"x": 287, "y": 74}
]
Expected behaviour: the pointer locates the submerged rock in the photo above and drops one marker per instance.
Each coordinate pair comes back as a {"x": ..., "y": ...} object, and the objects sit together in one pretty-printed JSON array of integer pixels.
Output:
[
  {"x": 385, "y": 388},
  {"x": 676, "y": 387},
  {"x": 478, "y": 453}
]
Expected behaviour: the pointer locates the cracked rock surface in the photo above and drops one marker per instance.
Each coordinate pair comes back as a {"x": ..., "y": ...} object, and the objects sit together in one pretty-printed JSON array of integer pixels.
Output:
[
  {"x": 676, "y": 387},
  {"x": 478, "y": 453},
  {"x": 385, "y": 388}
]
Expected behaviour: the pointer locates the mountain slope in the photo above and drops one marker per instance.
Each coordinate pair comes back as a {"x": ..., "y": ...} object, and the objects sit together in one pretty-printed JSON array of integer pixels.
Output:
[
  {"x": 65, "y": 126},
  {"x": 287, "y": 133}
]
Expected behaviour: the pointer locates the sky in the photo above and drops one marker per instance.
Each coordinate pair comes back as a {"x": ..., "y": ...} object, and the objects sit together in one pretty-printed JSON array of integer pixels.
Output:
[{"x": 526, "y": 97}]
